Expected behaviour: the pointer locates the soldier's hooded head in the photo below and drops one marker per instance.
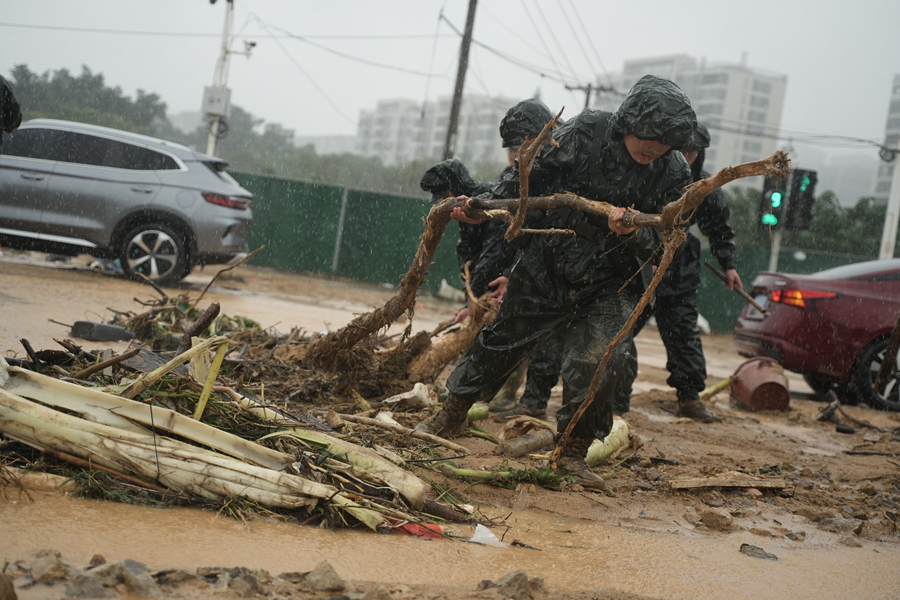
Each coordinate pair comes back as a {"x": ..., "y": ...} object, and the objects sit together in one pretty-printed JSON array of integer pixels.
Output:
[
  {"x": 655, "y": 110},
  {"x": 696, "y": 150},
  {"x": 528, "y": 117},
  {"x": 448, "y": 176}
]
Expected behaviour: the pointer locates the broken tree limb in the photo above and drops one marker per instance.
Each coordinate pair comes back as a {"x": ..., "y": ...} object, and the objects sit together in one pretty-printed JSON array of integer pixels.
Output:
[
  {"x": 526, "y": 163},
  {"x": 106, "y": 363},
  {"x": 715, "y": 389},
  {"x": 198, "y": 327},
  {"x": 406, "y": 431},
  {"x": 325, "y": 351},
  {"x": 444, "y": 350}
]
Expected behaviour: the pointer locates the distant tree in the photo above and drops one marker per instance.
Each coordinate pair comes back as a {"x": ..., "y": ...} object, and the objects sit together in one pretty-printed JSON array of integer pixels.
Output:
[{"x": 87, "y": 99}]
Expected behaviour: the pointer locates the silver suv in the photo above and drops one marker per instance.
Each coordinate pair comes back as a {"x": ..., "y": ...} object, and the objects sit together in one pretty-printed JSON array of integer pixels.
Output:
[{"x": 159, "y": 207}]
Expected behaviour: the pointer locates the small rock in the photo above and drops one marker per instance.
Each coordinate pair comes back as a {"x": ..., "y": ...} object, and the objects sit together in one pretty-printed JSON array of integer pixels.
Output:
[
  {"x": 691, "y": 515},
  {"x": 7, "y": 591},
  {"x": 867, "y": 488},
  {"x": 757, "y": 552},
  {"x": 850, "y": 540},
  {"x": 261, "y": 575},
  {"x": 647, "y": 487},
  {"x": 379, "y": 593},
  {"x": 244, "y": 586},
  {"x": 797, "y": 536},
  {"x": 514, "y": 585},
  {"x": 87, "y": 585},
  {"x": 811, "y": 514},
  {"x": 847, "y": 509},
  {"x": 135, "y": 575},
  {"x": 174, "y": 576},
  {"x": 292, "y": 577},
  {"x": 761, "y": 532},
  {"x": 96, "y": 561},
  {"x": 323, "y": 579},
  {"x": 653, "y": 475},
  {"x": 716, "y": 518},
  {"x": 806, "y": 472},
  {"x": 537, "y": 584},
  {"x": 47, "y": 567},
  {"x": 842, "y": 526}
]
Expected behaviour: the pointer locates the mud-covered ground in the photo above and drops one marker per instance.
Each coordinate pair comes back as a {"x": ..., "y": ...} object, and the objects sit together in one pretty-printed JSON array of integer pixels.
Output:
[{"x": 834, "y": 501}]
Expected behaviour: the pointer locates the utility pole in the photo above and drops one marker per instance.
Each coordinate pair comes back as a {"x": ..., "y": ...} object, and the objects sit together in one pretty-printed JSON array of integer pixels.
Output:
[
  {"x": 453, "y": 124},
  {"x": 587, "y": 89},
  {"x": 215, "y": 99},
  {"x": 889, "y": 233}
]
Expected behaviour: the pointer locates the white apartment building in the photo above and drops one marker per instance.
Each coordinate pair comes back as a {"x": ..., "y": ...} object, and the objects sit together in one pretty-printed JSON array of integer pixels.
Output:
[
  {"x": 400, "y": 130},
  {"x": 891, "y": 140},
  {"x": 740, "y": 106}
]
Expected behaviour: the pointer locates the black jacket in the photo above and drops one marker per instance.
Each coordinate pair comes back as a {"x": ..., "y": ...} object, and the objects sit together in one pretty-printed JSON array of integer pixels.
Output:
[
  {"x": 10, "y": 114},
  {"x": 711, "y": 217}
]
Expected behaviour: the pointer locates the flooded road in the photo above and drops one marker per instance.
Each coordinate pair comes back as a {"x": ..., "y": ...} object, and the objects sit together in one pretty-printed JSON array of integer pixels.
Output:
[{"x": 670, "y": 562}]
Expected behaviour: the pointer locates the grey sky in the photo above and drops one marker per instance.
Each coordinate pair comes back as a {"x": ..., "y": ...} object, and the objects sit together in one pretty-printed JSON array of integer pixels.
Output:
[{"x": 839, "y": 57}]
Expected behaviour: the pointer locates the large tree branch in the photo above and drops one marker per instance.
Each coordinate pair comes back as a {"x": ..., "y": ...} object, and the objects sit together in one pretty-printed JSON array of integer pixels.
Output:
[{"x": 324, "y": 352}]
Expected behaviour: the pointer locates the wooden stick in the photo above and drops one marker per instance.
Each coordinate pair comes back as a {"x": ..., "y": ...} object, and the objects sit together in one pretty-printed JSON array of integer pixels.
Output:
[
  {"x": 406, "y": 431},
  {"x": 198, "y": 327},
  {"x": 106, "y": 363}
]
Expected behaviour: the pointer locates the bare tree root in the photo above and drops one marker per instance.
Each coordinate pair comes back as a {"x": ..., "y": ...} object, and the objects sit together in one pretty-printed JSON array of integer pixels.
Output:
[{"x": 440, "y": 353}]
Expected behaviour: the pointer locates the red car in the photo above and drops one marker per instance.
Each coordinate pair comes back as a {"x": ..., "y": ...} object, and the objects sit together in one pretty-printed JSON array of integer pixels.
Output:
[{"x": 832, "y": 327}]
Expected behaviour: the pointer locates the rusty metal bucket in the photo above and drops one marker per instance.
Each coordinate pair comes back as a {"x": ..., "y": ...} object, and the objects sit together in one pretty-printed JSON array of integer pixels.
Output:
[{"x": 760, "y": 384}]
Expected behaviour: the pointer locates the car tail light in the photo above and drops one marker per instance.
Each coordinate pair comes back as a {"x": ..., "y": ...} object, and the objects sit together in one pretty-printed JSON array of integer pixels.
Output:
[
  {"x": 227, "y": 201},
  {"x": 800, "y": 297}
]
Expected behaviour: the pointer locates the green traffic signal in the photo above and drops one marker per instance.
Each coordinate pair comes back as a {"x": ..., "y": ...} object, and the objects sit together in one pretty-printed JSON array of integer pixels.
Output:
[
  {"x": 769, "y": 219},
  {"x": 804, "y": 184},
  {"x": 776, "y": 199}
]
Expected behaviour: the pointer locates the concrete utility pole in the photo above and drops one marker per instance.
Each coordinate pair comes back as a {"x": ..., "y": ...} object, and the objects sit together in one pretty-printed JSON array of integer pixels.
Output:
[
  {"x": 453, "y": 124},
  {"x": 889, "y": 234},
  {"x": 215, "y": 104}
]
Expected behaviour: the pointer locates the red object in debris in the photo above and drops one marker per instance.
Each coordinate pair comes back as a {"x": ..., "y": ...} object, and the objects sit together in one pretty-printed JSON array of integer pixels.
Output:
[
  {"x": 760, "y": 384},
  {"x": 429, "y": 531},
  {"x": 753, "y": 492}
]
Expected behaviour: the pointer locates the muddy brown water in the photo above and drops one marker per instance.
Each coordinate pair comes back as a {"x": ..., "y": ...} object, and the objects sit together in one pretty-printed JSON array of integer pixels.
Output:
[{"x": 665, "y": 562}]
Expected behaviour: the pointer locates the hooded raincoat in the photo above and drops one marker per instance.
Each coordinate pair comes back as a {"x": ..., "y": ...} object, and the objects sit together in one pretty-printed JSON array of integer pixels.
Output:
[{"x": 572, "y": 283}]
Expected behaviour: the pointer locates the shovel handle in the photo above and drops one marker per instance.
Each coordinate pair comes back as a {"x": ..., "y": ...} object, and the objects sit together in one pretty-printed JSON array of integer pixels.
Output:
[{"x": 737, "y": 291}]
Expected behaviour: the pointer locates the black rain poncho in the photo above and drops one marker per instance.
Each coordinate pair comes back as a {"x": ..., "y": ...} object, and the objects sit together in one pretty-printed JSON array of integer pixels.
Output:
[{"x": 571, "y": 283}]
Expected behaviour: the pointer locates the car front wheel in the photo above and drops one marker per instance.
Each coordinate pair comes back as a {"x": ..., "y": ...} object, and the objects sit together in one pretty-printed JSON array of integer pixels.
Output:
[
  {"x": 156, "y": 251},
  {"x": 867, "y": 368}
]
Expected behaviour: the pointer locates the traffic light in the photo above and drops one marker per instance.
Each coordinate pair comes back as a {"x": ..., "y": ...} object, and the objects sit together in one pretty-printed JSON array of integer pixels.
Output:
[
  {"x": 802, "y": 198},
  {"x": 771, "y": 205}
]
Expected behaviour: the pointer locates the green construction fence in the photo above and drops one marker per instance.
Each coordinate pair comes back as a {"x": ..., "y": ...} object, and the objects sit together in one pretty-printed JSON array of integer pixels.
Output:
[
  {"x": 341, "y": 231},
  {"x": 373, "y": 237}
]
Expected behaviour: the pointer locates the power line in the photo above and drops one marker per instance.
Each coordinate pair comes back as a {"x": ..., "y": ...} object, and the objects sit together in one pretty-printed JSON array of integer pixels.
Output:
[
  {"x": 556, "y": 39},
  {"x": 308, "y": 76},
  {"x": 350, "y": 56},
  {"x": 806, "y": 138},
  {"x": 206, "y": 35},
  {"x": 590, "y": 40}
]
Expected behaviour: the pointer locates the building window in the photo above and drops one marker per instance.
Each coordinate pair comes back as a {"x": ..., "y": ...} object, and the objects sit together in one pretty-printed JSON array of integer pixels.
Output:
[
  {"x": 753, "y": 130},
  {"x": 883, "y": 187},
  {"x": 759, "y": 101},
  {"x": 710, "y": 109},
  {"x": 752, "y": 146},
  {"x": 710, "y": 78},
  {"x": 712, "y": 94},
  {"x": 755, "y": 116},
  {"x": 763, "y": 87}
]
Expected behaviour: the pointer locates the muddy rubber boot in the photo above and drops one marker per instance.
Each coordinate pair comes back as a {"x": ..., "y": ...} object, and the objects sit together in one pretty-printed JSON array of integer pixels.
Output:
[
  {"x": 520, "y": 409},
  {"x": 694, "y": 409},
  {"x": 571, "y": 462},
  {"x": 450, "y": 420}
]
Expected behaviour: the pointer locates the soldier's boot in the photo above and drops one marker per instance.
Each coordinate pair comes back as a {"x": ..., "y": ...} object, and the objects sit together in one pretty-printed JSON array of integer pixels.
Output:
[
  {"x": 450, "y": 420},
  {"x": 571, "y": 462},
  {"x": 694, "y": 409},
  {"x": 518, "y": 410}
]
